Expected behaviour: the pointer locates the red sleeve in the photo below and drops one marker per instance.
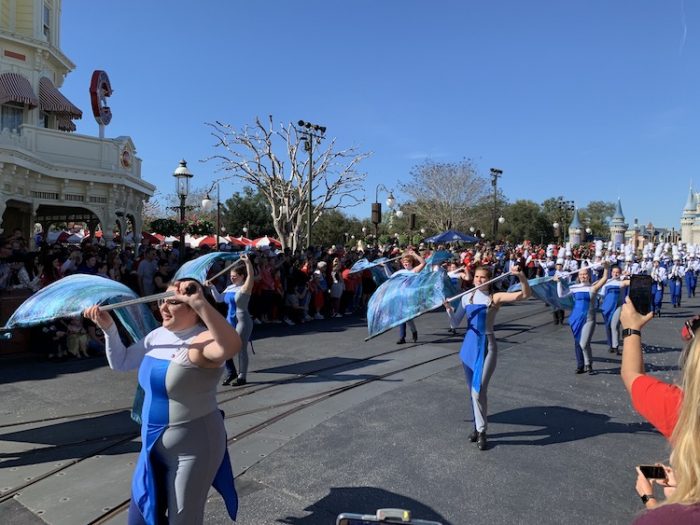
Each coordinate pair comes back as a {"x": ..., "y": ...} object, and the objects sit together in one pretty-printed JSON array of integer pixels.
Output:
[{"x": 657, "y": 402}]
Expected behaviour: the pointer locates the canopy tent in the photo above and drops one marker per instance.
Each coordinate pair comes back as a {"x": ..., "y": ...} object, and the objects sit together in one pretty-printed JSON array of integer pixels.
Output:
[
  {"x": 266, "y": 241},
  {"x": 451, "y": 236},
  {"x": 244, "y": 241}
]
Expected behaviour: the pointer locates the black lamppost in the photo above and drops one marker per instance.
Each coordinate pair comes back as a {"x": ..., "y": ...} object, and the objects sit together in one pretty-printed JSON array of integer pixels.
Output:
[
  {"x": 208, "y": 205},
  {"x": 182, "y": 176},
  {"x": 495, "y": 173},
  {"x": 377, "y": 208},
  {"x": 310, "y": 133},
  {"x": 563, "y": 207}
]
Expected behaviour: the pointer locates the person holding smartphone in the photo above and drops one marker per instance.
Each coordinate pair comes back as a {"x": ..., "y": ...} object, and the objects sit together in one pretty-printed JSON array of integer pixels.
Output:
[{"x": 674, "y": 411}]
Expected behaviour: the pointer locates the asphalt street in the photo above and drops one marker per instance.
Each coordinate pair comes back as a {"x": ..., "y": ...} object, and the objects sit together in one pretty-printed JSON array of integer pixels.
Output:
[{"x": 330, "y": 424}]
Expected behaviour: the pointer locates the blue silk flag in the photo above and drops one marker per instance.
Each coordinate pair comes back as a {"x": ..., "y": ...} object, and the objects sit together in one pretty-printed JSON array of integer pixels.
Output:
[
  {"x": 71, "y": 295},
  {"x": 406, "y": 295},
  {"x": 199, "y": 268},
  {"x": 378, "y": 273},
  {"x": 439, "y": 257},
  {"x": 546, "y": 289}
]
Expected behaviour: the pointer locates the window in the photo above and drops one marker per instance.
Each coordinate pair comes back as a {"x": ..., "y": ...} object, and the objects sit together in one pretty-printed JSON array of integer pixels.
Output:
[
  {"x": 11, "y": 116},
  {"x": 47, "y": 22},
  {"x": 44, "y": 119}
]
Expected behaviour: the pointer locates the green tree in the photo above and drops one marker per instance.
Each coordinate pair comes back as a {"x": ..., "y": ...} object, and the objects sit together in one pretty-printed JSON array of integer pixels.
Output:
[
  {"x": 248, "y": 209},
  {"x": 595, "y": 215},
  {"x": 525, "y": 219},
  {"x": 334, "y": 227}
]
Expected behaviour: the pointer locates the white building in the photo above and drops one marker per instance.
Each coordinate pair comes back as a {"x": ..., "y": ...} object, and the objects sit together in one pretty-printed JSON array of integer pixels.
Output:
[{"x": 48, "y": 174}]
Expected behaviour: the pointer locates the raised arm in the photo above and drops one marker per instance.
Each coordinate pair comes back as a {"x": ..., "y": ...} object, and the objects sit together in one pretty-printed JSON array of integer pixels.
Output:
[
  {"x": 632, "y": 360},
  {"x": 119, "y": 356},
  {"x": 250, "y": 277},
  {"x": 600, "y": 282},
  {"x": 509, "y": 297},
  {"x": 421, "y": 262}
]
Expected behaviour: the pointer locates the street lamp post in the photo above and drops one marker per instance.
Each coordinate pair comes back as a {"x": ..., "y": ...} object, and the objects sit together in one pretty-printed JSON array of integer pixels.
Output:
[
  {"x": 182, "y": 176},
  {"x": 377, "y": 208},
  {"x": 208, "y": 205},
  {"x": 563, "y": 207},
  {"x": 495, "y": 173},
  {"x": 310, "y": 133}
]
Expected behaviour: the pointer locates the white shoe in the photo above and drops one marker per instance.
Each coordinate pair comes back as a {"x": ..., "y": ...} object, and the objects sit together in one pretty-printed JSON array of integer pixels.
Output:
[
  {"x": 289, "y": 321},
  {"x": 318, "y": 316},
  {"x": 338, "y": 315},
  {"x": 307, "y": 317},
  {"x": 257, "y": 321}
]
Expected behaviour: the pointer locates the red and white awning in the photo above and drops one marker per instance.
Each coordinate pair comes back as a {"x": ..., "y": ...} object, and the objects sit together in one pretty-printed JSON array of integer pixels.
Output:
[
  {"x": 15, "y": 88},
  {"x": 54, "y": 101}
]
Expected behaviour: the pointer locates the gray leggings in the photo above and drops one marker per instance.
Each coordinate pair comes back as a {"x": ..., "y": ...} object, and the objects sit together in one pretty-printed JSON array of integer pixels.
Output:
[
  {"x": 613, "y": 329},
  {"x": 585, "y": 342},
  {"x": 479, "y": 399},
  {"x": 185, "y": 460}
]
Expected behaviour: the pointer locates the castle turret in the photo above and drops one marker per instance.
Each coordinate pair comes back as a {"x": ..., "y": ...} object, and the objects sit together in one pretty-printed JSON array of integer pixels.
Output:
[
  {"x": 618, "y": 227},
  {"x": 575, "y": 229},
  {"x": 688, "y": 217}
]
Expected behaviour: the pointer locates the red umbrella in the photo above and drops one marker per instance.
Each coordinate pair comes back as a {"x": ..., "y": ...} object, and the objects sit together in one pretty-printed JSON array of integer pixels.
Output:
[
  {"x": 242, "y": 241},
  {"x": 209, "y": 240},
  {"x": 149, "y": 238},
  {"x": 266, "y": 241}
]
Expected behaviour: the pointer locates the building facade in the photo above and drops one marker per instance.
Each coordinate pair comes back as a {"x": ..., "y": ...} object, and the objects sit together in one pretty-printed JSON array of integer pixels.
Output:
[
  {"x": 49, "y": 174},
  {"x": 690, "y": 219}
]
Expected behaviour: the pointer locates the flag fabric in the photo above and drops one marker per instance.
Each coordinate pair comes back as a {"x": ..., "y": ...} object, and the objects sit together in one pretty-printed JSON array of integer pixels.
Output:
[
  {"x": 439, "y": 257},
  {"x": 68, "y": 297},
  {"x": 71, "y": 295},
  {"x": 545, "y": 288},
  {"x": 404, "y": 296},
  {"x": 199, "y": 268}
]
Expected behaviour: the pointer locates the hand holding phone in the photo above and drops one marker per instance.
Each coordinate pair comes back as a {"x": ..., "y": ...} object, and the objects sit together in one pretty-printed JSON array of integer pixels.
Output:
[
  {"x": 640, "y": 293},
  {"x": 653, "y": 471}
]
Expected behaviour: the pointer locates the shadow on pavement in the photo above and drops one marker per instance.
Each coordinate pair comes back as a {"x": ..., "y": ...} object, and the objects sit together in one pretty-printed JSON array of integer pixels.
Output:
[
  {"x": 361, "y": 500},
  {"x": 556, "y": 424}
]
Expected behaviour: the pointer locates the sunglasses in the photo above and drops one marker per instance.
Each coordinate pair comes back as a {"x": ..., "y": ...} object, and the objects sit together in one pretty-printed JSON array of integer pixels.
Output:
[{"x": 169, "y": 302}]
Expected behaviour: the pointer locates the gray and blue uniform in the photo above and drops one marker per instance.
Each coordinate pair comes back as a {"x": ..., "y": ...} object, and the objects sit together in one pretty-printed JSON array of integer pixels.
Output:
[
  {"x": 581, "y": 320},
  {"x": 478, "y": 353},
  {"x": 239, "y": 317},
  {"x": 183, "y": 450},
  {"x": 611, "y": 307}
]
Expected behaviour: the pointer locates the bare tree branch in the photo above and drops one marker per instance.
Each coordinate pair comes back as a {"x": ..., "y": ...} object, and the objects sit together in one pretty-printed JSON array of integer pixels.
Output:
[{"x": 249, "y": 155}]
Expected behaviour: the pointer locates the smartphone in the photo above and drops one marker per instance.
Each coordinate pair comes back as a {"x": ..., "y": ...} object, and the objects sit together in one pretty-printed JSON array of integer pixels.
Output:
[
  {"x": 653, "y": 471},
  {"x": 640, "y": 293}
]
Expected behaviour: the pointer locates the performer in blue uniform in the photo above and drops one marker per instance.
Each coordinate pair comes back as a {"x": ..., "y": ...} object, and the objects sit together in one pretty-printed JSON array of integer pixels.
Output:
[
  {"x": 479, "y": 352},
  {"x": 658, "y": 281},
  {"x": 237, "y": 297},
  {"x": 183, "y": 450},
  {"x": 675, "y": 276},
  {"x": 612, "y": 294},
  {"x": 582, "y": 317}
]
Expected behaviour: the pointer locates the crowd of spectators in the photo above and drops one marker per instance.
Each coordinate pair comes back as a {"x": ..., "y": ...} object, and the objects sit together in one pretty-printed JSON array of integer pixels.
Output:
[{"x": 290, "y": 287}]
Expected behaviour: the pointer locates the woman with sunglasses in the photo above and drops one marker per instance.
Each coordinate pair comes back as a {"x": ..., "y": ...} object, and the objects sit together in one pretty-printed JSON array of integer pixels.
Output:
[{"x": 179, "y": 365}]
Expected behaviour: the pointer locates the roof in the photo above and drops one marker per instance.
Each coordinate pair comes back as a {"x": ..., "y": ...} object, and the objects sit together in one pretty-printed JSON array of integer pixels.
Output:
[
  {"x": 576, "y": 221},
  {"x": 691, "y": 203},
  {"x": 618, "y": 216}
]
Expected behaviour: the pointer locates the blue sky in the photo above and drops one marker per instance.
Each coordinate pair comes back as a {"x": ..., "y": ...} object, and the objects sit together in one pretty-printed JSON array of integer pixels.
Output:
[{"x": 589, "y": 99}]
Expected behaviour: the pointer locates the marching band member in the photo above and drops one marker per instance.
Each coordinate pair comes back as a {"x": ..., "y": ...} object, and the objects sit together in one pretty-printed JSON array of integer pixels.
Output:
[
  {"x": 676, "y": 273},
  {"x": 658, "y": 282}
]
